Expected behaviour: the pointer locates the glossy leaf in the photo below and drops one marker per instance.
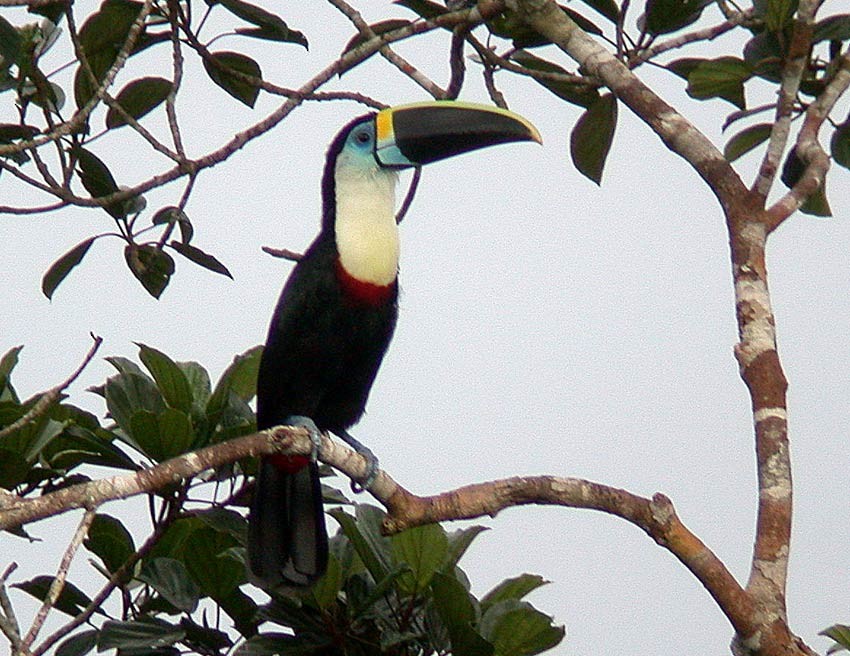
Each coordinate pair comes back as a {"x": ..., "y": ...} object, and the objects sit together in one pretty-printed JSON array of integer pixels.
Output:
[
  {"x": 424, "y": 549},
  {"x": 98, "y": 181},
  {"x": 512, "y": 588},
  {"x": 220, "y": 66},
  {"x": 143, "y": 633},
  {"x": 151, "y": 266},
  {"x": 746, "y": 140},
  {"x": 170, "y": 578},
  {"x": 685, "y": 66},
  {"x": 592, "y": 136},
  {"x": 327, "y": 588},
  {"x": 517, "y": 629},
  {"x": 128, "y": 393},
  {"x": 665, "y": 16},
  {"x": 839, "y": 145},
  {"x": 374, "y": 556},
  {"x": 720, "y": 78},
  {"x": 200, "y": 258},
  {"x": 60, "y": 269},
  {"x": 10, "y": 44},
  {"x": 272, "y": 26},
  {"x": 71, "y": 600},
  {"x": 170, "y": 380},
  {"x": 834, "y": 28},
  {"x": 583, "y": 95},
  {"x": 109, "y": 541},
  {"x": 78, "y": 644},
  {"x": 138, "y": 98},
  {"x": 217, "y": 576}
]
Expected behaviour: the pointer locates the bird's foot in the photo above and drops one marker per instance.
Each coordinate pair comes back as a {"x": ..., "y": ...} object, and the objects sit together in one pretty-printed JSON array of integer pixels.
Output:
[
  {"x": 300, "y": 421},
  {"x": 358, "y": 486}
]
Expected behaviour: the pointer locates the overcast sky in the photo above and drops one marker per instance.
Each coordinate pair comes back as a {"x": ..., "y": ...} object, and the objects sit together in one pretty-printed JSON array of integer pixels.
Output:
[{"x": 547, "y": 326}]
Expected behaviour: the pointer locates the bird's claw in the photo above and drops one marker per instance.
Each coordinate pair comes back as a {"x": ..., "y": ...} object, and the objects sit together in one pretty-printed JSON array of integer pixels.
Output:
[
  {"x": 358, "y": 486},
  {"x": 300, "y": 421}
]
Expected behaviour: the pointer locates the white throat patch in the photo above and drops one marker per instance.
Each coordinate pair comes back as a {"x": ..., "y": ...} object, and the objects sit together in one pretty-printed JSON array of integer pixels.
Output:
[{"x": 366, "y": 231}]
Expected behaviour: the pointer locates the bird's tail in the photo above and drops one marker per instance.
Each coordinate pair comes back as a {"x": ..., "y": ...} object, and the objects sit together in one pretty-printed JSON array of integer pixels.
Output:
[{"x": 287, "y": 538}]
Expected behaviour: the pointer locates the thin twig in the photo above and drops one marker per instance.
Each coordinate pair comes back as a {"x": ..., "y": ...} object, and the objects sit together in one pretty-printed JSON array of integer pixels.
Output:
[
  {"x": 58, "y": 583},
  {"x": 411, "y": 193},
  {"x": 48, "y": 398},
  {"x": 8, "y": 620}
]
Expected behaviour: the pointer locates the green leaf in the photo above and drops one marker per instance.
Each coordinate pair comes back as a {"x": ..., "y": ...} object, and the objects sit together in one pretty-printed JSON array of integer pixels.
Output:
[
  {"x": 370, "y": 545},
  {"x": 128, "y": 393},
  {"x": 220, "y": 66},
  {"x": 272, "y": 27},
  {"x": 723, "y": 77},
  {"x": 459, "y": 542},
  {"x": 326, "y": 589},
  {"x": 510, "y": 26},
  {"x": 170, "y": 379},
  {"x": 517, "y": 629},
  {"x": 200, "y": 258},
  {"x": 164, "y": 435},
  {"x": 72, "y": 601},
  {"x": 592, "y": 136},
  {"x": 458, "y": 612},
  {"x": 109, "y": 541},
  {"x": 839, "y": 145},
  {"x": 665, "y": 16},
  {"x": 98, "y": 181},
  {"x": 765, "y": 54},
  {"x": 143, "y": 633},
  {"x": 151, "y": 266},
  {"x": 217, "y": 576},
  {"x": 583, "y": 95},
  {"x": 138, "y": 98},
  {"x": 240, "y": 378},
  {"x": 793, "y": 169},
  {"x": 746, "y": 140},
  {"x": 841, "y": 634},
  {"x": 10, "y": 43},
  {"x": 379, "y": 28},
  {"x": 172, "y": 215},
  {"x": 424, "y": 549},
  {"x": 170, "y": 578},
  {"x": 78, "y": 644},
  {"x": 685, "y": 66},
  {"x": 513, "y": 588},
  {"x": 13, "y": 468},
  {"x": 7, "y": 364},
  {"x": 211, "y": 641},
  {"x": 777, "y": 14},
  {"x": 102, "y": 37},
  {"x": 60, "y": 269},
  {"x": 834, "y": 28},
  {"x": 607, "y": 8},
  {"x": 226, "y": 521},
  {"x": 423, "y": 8}
]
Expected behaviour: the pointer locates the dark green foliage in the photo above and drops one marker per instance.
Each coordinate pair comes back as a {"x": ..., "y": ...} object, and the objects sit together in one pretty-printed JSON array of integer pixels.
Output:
[
  {"x": 793, "y": 169},
  {"x": 381, "y": 595},
  {"x": 592, "y": 137},
  {"x": 230, "y": 71},
  {"x": 138, "y": 98}
]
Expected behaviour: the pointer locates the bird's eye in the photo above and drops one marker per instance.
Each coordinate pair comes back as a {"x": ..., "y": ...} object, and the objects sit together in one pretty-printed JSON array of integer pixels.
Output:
[{"x": 362, "y": 137}]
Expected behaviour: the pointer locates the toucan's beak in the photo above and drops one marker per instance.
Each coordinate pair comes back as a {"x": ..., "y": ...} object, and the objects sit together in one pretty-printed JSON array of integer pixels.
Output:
[{"x": 420, "y": 133}]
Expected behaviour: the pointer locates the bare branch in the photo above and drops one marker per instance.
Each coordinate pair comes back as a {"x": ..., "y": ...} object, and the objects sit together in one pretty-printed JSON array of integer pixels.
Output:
[
  {"x": 52, "y": 395},
  {"x": 792, "y": 73},
  {"x": 59, "y": 580},
  {"x": 8, "y": 622},
  {"x": 809, "y": 149}
]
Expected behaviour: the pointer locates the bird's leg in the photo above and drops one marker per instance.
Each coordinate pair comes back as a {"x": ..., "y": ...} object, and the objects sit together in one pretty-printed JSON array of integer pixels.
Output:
[
  {"x": 371, "y": 461},
  {"x": 300, "y": 421}
]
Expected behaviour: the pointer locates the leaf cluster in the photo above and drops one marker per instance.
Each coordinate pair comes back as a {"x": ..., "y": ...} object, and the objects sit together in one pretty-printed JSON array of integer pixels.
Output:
[{"x": 403, "y": 594}]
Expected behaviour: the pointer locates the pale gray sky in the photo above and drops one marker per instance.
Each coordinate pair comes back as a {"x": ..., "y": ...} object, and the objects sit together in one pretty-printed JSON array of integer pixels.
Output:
[{"x": 547, "y": 326}]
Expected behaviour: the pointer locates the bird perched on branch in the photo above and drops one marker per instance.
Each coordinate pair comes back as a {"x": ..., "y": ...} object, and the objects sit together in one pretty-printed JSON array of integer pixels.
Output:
[{"x": 337, "y": 313}]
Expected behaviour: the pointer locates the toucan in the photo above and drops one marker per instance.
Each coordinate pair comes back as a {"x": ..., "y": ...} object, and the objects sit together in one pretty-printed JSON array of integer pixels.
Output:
[{"x": 337, "y": 312}]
